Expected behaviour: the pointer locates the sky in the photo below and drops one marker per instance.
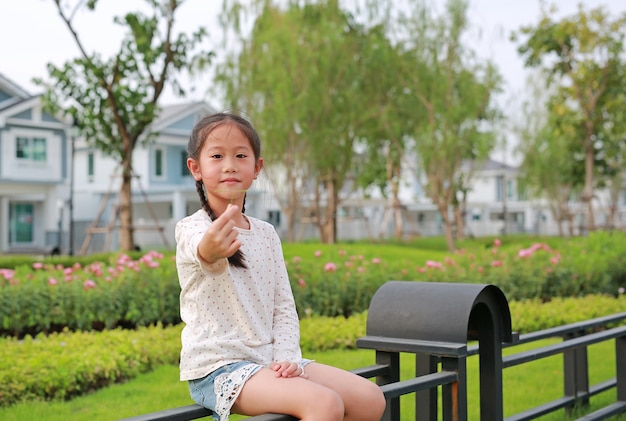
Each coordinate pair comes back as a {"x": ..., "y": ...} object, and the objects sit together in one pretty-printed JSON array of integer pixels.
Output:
[{"x": 33, "y": 34}]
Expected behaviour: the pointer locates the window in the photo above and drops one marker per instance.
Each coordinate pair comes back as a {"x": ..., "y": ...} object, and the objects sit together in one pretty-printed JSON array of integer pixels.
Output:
[
  {"x": 90, "y": 166},
  {"x": 31, "y": 149},
  {"x": 273, "y": 217},
  {"x": 158, "y": 162},
  {"x": 184, "y": 171}
]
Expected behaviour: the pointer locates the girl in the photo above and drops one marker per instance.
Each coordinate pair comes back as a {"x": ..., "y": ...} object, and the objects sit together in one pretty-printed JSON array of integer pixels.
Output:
[{"x": 240, "y": 346}]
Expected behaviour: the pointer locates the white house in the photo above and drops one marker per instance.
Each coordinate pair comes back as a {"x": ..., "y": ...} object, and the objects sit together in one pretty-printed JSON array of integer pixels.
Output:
[
  {"x": 39, "y": 211},
  {"x": 34, "y": 173}
]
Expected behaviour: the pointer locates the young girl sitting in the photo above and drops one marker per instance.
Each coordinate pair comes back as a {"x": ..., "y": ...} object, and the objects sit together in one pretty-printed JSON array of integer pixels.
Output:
[{"x": 241, "y": 343}]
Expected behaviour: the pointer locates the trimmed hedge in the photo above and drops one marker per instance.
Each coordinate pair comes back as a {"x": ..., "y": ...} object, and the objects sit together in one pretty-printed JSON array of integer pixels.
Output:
[{"x": 66, "y": 364}]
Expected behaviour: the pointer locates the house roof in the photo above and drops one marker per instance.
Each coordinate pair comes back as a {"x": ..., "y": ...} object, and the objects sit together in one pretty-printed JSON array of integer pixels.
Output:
[
  {"x": 173, "y": 113},
  {"x": 10, "y": 87},
  {"x": 488, "y": 165}
]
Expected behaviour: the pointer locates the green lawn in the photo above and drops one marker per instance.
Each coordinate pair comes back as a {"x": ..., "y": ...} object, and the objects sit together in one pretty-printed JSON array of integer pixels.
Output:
[{"x": 524, "y": 387}]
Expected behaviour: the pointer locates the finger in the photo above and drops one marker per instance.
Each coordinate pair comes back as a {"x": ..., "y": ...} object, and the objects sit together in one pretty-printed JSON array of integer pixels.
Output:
[
  {"x": 233, "y": 248},
  {"x": 231, "y": 211},
  {"x": 227, "y": 216}
]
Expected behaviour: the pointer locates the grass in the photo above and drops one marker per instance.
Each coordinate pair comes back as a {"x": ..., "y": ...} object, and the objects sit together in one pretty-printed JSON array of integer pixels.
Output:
[{"x": 524, "y": 387}]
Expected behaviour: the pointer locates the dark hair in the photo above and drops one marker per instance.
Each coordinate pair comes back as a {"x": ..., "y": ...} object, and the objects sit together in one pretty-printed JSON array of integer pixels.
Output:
[{"x": 199, "y": 133}]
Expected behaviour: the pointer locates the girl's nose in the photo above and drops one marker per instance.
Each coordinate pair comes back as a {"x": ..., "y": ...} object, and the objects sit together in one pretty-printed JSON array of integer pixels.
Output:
[{"x": 229, "y": 165}]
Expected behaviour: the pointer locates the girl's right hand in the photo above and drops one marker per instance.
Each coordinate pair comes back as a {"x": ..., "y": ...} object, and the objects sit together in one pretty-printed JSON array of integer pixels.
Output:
[{"x": 220, "y": 239}]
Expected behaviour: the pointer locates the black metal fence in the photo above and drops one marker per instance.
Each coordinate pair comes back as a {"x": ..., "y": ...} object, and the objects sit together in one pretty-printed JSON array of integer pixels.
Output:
[{"x": 435, "y": 321}]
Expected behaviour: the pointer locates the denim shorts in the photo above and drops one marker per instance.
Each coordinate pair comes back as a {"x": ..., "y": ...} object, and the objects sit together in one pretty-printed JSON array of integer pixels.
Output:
[{"x": 219, "y": 390}]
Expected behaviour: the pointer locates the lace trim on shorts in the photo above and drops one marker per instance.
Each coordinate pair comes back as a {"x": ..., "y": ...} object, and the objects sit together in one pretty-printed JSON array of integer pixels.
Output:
[{"x": 228, "y": 386}]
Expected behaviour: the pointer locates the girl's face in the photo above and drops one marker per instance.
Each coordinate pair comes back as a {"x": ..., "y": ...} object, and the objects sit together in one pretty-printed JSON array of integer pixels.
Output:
[{"x": 226, "y": 166}]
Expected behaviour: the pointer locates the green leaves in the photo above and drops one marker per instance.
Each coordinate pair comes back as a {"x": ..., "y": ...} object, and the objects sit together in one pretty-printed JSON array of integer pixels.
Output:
[
  {"x": 114, "y": 100},
  {"x": 583, "y": 55}
]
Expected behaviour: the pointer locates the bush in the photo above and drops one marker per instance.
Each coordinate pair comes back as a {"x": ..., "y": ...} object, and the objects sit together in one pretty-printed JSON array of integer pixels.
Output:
[
  {"x": 67, "y": 364},
  {"x": 327, "y": 280},
  {"x": 126, "y": 292}
]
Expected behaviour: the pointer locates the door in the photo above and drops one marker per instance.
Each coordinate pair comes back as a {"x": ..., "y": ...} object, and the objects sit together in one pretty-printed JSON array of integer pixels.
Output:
[{"x": 21, "y": 222}]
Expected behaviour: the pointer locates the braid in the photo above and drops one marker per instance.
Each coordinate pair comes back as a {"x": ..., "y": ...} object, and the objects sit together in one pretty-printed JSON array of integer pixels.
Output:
[{"x": 236, "y": 260}]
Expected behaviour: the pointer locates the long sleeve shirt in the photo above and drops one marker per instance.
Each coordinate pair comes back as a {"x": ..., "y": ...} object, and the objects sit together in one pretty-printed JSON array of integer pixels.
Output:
[{"x": 233, "y": 314}]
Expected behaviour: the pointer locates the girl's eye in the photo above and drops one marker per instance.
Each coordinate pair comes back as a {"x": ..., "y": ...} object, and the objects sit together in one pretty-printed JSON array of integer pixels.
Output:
[
  {"x": 241, "y": 155},
  {"x": 216, "y": 156}
]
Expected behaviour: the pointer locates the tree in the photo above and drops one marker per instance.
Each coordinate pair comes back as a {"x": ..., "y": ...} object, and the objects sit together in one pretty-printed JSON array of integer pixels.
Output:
[
  {"x": 390, "y": 117},
  {"x": 581, "y": 52},
  {"x": 114, "y": 101},
  {"x": 299, "y": 73},
  {"x": 612, "y": 135},
  {"x": 455, "y": 94},
  {"x": 550, "y": 168}
]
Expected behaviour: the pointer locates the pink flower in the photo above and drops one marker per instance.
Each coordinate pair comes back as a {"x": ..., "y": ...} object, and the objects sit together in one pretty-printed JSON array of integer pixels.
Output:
[
  {"x": 37, "y": 265},
  {"x": 52, "y": 281},
  {"x": 296, "y": 259},
  {"x": 432, "y": 264},
  {"x": 123, "y": 259},
  {"x": 360, "y": 269},
  {"x": 496, "y": 263},
  {"x": 497, "y": 242},
  {"x": 7, "y": 273},
  {"x": 525, "y": 253},
  {"x": 342, "y": 252},
  {"x": 318, "y": 253},
  {"x": 89, "y": 284},
  {"x": 301, "y": 282},
  {"x": 554, "y": 260},
  {"x": 330, "y": 267},
  {"x": 376, "y": 260}
]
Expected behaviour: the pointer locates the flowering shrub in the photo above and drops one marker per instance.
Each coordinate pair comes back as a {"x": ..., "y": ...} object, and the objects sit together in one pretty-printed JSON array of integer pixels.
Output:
[
  {"x": 125, "y": 292},
  {"x": 336, "y": 283},
  {"x": 578, "y": 266},
  {"x": 327, "y": 280}
]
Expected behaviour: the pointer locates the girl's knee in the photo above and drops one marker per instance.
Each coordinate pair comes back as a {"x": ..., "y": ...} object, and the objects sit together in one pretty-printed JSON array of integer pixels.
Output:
[
  {"x": 328, "y": 404},
  {"x": 371, "y": 403}
]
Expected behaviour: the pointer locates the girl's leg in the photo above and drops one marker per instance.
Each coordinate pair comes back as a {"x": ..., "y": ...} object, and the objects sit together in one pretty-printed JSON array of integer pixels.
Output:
[
  {"x": 295, "y": 396},
  {"x": 362, "y": 399}
]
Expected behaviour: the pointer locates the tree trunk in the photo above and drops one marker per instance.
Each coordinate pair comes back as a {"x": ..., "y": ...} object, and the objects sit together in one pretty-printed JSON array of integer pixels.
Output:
[
  {"x": 127, "y": 242},
  {"x": 398, "y": 221},
  {"x": 329, "y": 226},
  {"x": 587, "y": 196},
  {"x": 447, "y": 227}
]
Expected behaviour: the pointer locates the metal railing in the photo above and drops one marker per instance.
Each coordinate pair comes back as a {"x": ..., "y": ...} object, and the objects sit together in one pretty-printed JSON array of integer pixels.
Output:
[{"x": 440, "y": 363}]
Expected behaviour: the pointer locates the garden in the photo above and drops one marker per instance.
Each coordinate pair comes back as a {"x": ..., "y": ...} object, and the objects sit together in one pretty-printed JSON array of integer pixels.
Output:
[{"x": 73, "y": 326}]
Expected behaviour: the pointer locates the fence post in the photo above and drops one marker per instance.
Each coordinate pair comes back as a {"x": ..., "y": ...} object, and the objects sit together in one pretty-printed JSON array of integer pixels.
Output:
[
  {"x": 576, "y": 373},
  {"x": 392, "y": 360},
  {"x": 426, "y": 400},
  {"x": 620, "y": 362}
]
